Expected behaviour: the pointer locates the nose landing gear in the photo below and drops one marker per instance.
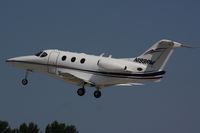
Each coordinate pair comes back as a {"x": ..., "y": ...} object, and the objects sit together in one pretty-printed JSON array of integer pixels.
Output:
[{"x": 25, "y": 80}]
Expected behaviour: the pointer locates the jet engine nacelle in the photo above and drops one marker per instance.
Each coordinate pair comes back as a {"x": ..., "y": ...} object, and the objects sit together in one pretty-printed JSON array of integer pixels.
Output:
[{"x": 111, "y": 65}]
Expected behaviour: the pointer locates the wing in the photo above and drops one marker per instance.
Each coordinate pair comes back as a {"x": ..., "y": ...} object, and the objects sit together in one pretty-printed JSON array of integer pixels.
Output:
[{"x": 75, "y": 77}]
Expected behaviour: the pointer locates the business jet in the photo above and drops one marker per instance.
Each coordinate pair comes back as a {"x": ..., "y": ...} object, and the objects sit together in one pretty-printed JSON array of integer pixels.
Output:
[{"x": 99, "y": 71}]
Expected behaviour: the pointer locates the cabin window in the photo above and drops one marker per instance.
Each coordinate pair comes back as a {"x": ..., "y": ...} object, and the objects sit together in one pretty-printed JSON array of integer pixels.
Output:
[
  {"x": 73, "y": 59},
  {"x": 44, "y": 54},
  {"x": 82, "y": 60},
  {"x": 139, "y": 69},
  {"x": 64, "y": 58}
]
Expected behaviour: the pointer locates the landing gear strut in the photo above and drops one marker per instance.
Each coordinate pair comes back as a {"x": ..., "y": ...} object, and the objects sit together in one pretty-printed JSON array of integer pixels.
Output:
[{"x": 25, "y": 80}]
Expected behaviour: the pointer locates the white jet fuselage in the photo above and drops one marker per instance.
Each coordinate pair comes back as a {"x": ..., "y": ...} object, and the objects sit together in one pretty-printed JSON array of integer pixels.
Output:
[{"x": 96, "y": 70}]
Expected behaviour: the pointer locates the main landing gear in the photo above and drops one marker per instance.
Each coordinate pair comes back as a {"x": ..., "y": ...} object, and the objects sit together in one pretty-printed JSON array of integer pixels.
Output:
[
  {"x": 81, "y": 92},
  {"x": 25, "y": 80},
  {"x": 97, "y": 94}
]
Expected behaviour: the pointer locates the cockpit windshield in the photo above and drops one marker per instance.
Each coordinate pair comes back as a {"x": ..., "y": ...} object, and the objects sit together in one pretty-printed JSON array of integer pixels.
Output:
[
  {"x": 41, "y": 54},
  {"x": 38, "y": 54}
]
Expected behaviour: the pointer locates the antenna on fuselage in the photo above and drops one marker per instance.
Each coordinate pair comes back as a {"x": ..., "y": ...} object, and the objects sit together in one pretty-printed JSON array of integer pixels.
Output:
[{"x": 102, "y": 54}]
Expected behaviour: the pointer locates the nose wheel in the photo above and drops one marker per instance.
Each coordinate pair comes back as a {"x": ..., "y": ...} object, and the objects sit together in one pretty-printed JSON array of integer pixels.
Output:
[{"x": 24, "y": 82}]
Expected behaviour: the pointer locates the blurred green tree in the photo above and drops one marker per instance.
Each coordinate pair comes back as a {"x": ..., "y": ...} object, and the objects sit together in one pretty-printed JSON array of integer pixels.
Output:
[
  {"x": 30, "y": 128},
  {"x": 4, "y": 127},
  {"x": 56, "y": 127}
]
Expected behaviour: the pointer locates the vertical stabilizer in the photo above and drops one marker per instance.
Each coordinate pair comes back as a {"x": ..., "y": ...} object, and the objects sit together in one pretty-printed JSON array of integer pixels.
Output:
[{"x": 157, "y": 56}]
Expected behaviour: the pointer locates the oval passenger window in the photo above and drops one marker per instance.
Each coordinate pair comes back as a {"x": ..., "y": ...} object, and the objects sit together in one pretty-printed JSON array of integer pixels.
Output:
[
  {"x": 64, "y": 58},
  {"x": 73, "y": 59},
  {"x": 139, "y": 69},
  {"x": 82, "y": 60}
]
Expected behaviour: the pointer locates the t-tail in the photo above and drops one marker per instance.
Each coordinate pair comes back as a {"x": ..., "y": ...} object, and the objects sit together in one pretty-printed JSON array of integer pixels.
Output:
[{"x": 157, "y": 56}]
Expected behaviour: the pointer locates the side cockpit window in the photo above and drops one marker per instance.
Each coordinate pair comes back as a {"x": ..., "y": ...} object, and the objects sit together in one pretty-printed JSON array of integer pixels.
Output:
[
  {"x": 44, "y": 54},
  {"x": 41, "y": 54}
]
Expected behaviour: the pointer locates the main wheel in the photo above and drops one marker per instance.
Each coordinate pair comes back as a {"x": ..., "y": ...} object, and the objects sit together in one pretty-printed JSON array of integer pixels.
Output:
[
  {"x": 97, "y": 94},
  {"x": 24, "y": 81},
  {"x": 81, "y": 91}
]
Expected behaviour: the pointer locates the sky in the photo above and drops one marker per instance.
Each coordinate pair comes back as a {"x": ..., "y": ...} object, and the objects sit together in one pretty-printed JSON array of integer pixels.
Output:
[{"x": 123, "y": 28}]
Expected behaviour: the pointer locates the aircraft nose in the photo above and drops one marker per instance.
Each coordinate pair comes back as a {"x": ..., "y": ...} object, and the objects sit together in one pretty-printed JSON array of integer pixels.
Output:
[
  {"x": 20, "y": 62},
  {"x": 17, "y": 60},
  {"x": 9, "y": 60},
  {"x": 12, "y": 60}
]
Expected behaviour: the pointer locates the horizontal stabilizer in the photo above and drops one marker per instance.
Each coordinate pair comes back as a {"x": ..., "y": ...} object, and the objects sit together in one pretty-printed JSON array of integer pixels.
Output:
[{"x": 179, "y": 45}]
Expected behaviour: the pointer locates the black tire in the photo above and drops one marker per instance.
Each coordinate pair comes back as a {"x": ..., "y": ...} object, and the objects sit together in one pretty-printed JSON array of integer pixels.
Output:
[
  {"x": 24, "y": 81},
  {"x": 97, "y": 94},
  {"x": 81, "y": 91}
]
